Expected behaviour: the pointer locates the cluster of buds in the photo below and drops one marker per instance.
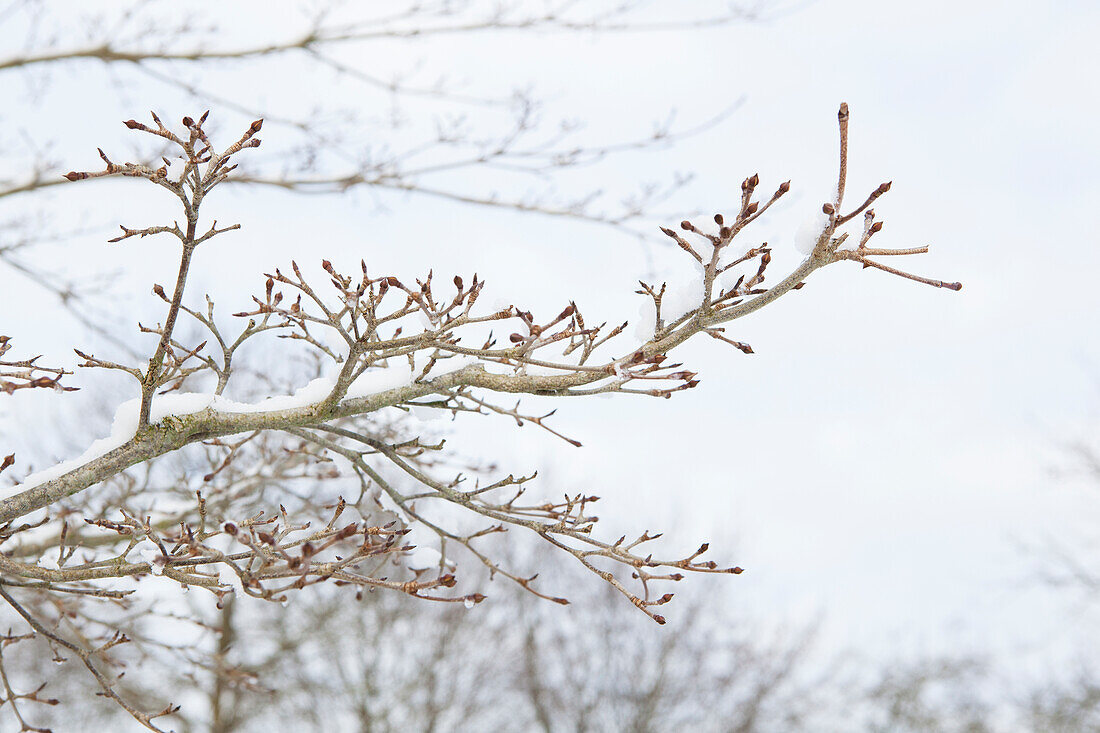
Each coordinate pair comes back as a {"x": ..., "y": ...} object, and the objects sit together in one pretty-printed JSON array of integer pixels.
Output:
[{"x": 28, "y": 373}]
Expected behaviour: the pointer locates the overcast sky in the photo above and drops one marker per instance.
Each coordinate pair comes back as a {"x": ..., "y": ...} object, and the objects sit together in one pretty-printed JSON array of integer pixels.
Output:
[{"x": 888, "y": 451}]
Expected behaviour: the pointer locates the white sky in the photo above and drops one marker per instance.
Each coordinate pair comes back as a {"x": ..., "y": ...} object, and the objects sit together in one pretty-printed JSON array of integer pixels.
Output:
[{"x": 883, "y": 455}]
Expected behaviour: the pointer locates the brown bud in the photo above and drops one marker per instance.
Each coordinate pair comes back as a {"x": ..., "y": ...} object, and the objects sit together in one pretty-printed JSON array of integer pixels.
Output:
[
  {"x": 754, "y": 181},
  {"x": 784, "y": 187},
  {"x": 266, "y": 538},
  {"x": 308, "y": 549},
  {"x": 255, "y": 126},
  {"x": 159, "y": 291},
  {"x": 718, "y": 219},
  {"x": 569, "y": 310},
  {"x": 393, "y": 282},
  {"x": 687, "y": 226},
  {"x": 828, "y": 209},
  {"x": 659, "y": 619},
  {"x": 230, "y": 528},
  {"x": 884, "y": 187},
  {"x": 724, "y": 232},
  {"x": 515, "y": 338},
  {"x": 737, "y": 571},
  {"x": 188, "y": 122},
  {"x": 876, "y": 227},
  {"x": 752, "y": 208},
  {"x": 134, "y": 125},
  {"x": 458, "y": 282}
]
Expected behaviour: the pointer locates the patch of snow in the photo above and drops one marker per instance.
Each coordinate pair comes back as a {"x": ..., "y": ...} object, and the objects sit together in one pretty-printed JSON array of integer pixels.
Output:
[
  {"x": 805, "y": 239},
  {"x": 122, "y": 429},
  {"x": 681, "y": 297},
  {"x": 228, "y": 576},
  {"x": 310, "y": 394},
  {"x": 175, "y": 167},
  {"x": 185, "y": 403},
  {"x": 427, "y": 414},
  {"x": 125, "y": 422},
  {"x": 646, "y": 321},
  {"x": 150, "y": 553},
  {"x": 337, "y": 345},
  {"x": 425, "y": 322},
  {"x": 374, "y": 381},
  {"x": 423, "y": 556},
  {"x": 682, "y": 294}
]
